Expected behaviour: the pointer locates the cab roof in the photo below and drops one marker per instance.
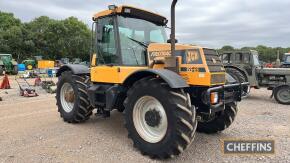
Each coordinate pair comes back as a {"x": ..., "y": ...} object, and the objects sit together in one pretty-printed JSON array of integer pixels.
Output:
[{"x": 129, "y": 11}]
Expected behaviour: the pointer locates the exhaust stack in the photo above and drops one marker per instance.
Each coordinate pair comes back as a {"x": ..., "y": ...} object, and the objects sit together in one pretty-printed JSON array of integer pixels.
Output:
[{"x": 172, "y": 35}]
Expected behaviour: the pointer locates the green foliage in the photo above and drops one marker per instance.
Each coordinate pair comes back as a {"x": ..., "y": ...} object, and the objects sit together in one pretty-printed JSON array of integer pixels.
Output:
[
  {"x": 7, "y": 21},
  {"x": 227, "y": 48},
  {"x": 54, "y": 39}
]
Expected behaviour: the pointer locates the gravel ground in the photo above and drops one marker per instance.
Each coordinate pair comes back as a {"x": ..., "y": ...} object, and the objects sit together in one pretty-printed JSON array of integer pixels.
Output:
[{"x": 32, "y": 131}]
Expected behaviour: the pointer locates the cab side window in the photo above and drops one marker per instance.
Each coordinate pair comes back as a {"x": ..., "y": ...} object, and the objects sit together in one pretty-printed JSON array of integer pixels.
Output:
[
  {"x": 239, "y": 58},
  {"x": 227, "y": 58},
  {"x": 106, "y": 44},
  {"x": 246, "y": 58}
]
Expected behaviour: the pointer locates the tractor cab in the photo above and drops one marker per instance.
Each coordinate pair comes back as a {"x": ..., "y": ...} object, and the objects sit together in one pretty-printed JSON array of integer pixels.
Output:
[
  {"x": 129, "y": 39},
  {"x": 124, "y": 33},
  {"x": 286, "y": 61}
]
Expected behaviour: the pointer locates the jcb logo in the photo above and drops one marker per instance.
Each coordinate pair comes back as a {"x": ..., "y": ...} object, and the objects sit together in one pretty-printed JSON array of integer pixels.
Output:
[{"x": 192, "y": 56}]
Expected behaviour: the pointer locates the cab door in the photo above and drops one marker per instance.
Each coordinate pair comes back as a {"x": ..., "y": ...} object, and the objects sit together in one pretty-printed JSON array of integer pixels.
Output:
[
  {"x": 107, "y": 51},
  {"x": 117, "y": 57}
]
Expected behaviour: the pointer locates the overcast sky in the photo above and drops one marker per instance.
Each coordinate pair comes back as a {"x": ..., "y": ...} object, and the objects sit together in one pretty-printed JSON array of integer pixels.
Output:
[{"x": 211, "y": 23}]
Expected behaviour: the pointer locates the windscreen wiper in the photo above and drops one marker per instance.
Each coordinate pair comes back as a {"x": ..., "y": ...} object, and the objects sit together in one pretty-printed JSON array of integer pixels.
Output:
[{"x": 139, "y": 42}]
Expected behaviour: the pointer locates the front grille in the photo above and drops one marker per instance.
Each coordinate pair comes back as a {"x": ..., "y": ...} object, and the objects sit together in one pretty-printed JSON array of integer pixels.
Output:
[
  {"x": 213, "y": 61},
  {"x": 218, "y": 78}
]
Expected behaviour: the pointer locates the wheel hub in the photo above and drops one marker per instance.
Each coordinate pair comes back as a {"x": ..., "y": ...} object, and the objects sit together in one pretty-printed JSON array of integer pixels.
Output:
[
  {"x": 285, "y": 94},
  {"x": 152, "y": 118},
  {"x": 69, "y": 96}
]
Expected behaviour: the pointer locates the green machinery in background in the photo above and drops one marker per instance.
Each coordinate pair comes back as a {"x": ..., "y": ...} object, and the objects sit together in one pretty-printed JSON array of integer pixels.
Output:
[
  {"x": 8, "y": 64},
  {"x": 31, "y": 63},
  {"x": 245, "y": 66}
]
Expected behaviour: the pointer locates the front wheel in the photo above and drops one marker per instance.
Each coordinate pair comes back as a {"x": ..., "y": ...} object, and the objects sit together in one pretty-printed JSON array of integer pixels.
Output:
[
  {"x": 220, "y": 121},
  {"x": 159, "y": 119},
  {"x": 282, "y": 94},
  {"x": 72, "y": 99}
]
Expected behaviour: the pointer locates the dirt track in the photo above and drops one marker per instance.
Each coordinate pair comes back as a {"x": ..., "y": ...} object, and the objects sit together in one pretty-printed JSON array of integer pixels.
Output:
[{"x": 32, "y": 131}]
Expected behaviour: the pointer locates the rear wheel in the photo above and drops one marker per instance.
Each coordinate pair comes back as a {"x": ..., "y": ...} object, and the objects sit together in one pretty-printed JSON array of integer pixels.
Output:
[
  {"x": 72, "y": 99},
  {"x": 15, "y": 70},
  {"x": 159, "y": 119},
  {"x": 240, "y": 77},
  {"x": 282, "y": 95},
  {"x": 220, "y": 121}
]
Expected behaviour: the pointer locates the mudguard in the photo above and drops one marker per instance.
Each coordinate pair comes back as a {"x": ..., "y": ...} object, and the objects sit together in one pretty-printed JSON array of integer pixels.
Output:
[
  {"x": 243, "y": 71},
  {"x": 173, "y": 79},
  {"x": 230, "y": 79},
  {"x": 74, "y": 68}
]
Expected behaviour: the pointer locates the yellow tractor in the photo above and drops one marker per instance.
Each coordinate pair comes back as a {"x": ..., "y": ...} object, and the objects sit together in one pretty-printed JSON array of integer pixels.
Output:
[{"x": 166, "y": 90}]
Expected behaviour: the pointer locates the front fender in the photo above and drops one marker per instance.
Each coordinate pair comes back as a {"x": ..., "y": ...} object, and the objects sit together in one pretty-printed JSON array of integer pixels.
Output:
[
  {"x": 173, "y": 79},
  {"x": 76, "y": 69}
]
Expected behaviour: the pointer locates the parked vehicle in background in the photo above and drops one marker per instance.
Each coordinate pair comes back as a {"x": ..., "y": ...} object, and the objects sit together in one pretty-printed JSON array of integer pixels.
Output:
[
  {"x": 45, "y": 64},
  {"x": 76, "y": 61},
  {"x": 61, "y": 62},
  {"x": 8, "y": 64},
  {"x": 245, "y": 66},
  {"x": 31, "y": 63},
  {"x": 286, "y": 61}
]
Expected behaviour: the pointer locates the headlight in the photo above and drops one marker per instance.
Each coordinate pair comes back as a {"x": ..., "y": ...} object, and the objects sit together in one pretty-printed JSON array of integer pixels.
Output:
[{"x": 214, "y": 97}]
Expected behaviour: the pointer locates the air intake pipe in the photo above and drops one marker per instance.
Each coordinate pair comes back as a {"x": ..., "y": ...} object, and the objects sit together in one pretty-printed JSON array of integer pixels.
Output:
[{"x": 172, "y": 35}]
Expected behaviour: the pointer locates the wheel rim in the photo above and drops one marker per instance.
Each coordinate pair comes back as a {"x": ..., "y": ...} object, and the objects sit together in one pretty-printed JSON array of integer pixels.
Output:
[
  {"x": 150, "y": 119},
  {"x": 67, "y": 97},
  {"x": 284, "y": 95}
]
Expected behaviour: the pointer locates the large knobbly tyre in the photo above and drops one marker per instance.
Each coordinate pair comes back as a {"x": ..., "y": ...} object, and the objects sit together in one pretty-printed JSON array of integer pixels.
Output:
[
  {"x": 15, "y": 70},
  {"x": 159, "y": 119},
  {"x": 220, "y": 121},
  {"x": 240, "y": 77},
  {"x": 72, "y": 99},
  {"x": 282, "y": 94}
]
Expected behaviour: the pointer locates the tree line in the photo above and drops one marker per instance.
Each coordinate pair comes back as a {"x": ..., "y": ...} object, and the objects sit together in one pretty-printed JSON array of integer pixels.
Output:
[
  {"x": 50, "y": 38},
  {"x": 55, "y": 39}
]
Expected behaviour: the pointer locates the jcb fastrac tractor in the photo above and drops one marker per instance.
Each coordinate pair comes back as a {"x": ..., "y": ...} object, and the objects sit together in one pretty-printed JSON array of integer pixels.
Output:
[{"x": 166, "y": 91}]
